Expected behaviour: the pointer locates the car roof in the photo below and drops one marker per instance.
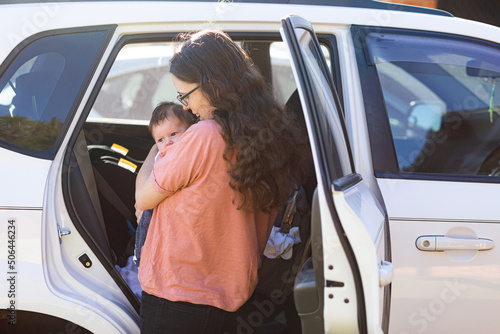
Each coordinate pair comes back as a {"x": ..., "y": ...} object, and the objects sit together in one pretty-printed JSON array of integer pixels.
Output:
[{"x": 371, "y": 4}]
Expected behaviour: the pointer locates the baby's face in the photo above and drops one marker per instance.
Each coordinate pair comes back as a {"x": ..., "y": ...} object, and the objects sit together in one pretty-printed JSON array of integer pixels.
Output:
[{"x": 168, "y": 131}]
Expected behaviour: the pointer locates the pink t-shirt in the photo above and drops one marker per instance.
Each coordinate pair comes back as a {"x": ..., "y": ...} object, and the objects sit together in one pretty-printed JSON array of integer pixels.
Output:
[{"x": 199, "y": 247}]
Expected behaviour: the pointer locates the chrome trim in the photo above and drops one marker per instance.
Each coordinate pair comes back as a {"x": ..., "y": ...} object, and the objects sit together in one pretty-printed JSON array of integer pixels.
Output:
[
  {"x": 443, "y": 220},
  {"x": 21, "y": 208}
]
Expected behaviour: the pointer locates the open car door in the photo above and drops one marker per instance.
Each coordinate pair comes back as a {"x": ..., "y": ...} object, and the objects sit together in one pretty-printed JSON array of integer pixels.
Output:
[{"x": 346, "y": 282}]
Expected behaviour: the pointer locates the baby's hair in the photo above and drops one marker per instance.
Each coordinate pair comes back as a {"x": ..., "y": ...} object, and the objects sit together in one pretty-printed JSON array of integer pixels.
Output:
[{"x": 165, "y": 110}]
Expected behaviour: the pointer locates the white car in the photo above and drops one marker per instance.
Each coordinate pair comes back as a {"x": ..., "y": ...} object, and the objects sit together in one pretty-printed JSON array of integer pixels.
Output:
[{"x": 403, "y": 119}]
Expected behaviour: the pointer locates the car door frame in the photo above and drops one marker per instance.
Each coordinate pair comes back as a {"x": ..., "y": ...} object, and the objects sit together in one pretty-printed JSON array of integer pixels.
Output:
[{"x": 328, "y": 180}]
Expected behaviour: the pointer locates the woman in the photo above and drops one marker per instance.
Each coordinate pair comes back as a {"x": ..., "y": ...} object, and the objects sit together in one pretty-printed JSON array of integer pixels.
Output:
[{"x": 216, "y": 192}]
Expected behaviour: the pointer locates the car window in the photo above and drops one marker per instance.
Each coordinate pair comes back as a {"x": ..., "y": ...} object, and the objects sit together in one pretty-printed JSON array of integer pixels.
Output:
[
  {"x": 440, "y": 99},
  {"x": 40, "y": 86},
  {"x": 328, "y": 117},
  {"x": 140, "y": 78}
]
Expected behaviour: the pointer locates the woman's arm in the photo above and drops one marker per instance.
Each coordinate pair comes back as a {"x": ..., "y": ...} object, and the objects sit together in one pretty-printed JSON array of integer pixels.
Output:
[{"x": 146, "y": 196}]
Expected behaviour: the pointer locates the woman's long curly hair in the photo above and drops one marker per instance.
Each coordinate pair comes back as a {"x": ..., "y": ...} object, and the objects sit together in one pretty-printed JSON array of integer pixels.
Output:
[{"x": 265, "y": 147}]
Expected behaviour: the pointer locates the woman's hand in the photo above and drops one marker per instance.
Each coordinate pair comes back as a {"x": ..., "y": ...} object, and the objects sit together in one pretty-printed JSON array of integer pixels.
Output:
[{"x": 146, "y": 196}]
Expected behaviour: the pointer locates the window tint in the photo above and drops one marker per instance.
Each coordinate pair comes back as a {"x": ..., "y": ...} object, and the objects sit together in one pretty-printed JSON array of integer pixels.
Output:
[
  {"x": 40, "y": 86},
  {"x": 439, "y": 94}
]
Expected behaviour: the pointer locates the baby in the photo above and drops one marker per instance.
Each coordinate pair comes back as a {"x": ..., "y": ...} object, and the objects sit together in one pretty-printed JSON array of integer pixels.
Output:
[{"x": 168, "y": 122}]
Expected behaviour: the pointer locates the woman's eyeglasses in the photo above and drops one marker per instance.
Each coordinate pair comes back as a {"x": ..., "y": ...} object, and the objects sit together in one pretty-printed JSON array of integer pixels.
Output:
[{"x": 181, "y": 97}]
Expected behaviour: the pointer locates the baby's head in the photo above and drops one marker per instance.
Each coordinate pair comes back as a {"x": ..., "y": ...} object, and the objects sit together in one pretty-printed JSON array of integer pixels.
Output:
[{"x": 168, "y": 122}]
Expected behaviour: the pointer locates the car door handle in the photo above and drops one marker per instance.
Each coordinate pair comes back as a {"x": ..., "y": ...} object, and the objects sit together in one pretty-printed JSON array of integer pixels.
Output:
[
  {"x": 385, "y": 273},
  {"x": 437, "y": 243}
]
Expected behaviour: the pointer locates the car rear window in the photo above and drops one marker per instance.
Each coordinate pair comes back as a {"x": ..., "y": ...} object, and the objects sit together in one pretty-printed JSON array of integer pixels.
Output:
[{"x": 40, "y": 88}]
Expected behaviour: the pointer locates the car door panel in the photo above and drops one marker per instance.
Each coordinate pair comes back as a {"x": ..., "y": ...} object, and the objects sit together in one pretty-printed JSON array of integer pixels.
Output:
[
  {"x": 431, "y": 288},
  {"x": 363, "y": 217},
  {"x": 444, "y": 200},
  {"x": 23, "y": 180},
  {"x": 431, "y": 112},
  {"x": 352, "y": 221},
  {"x": 452, "y": 281}
]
